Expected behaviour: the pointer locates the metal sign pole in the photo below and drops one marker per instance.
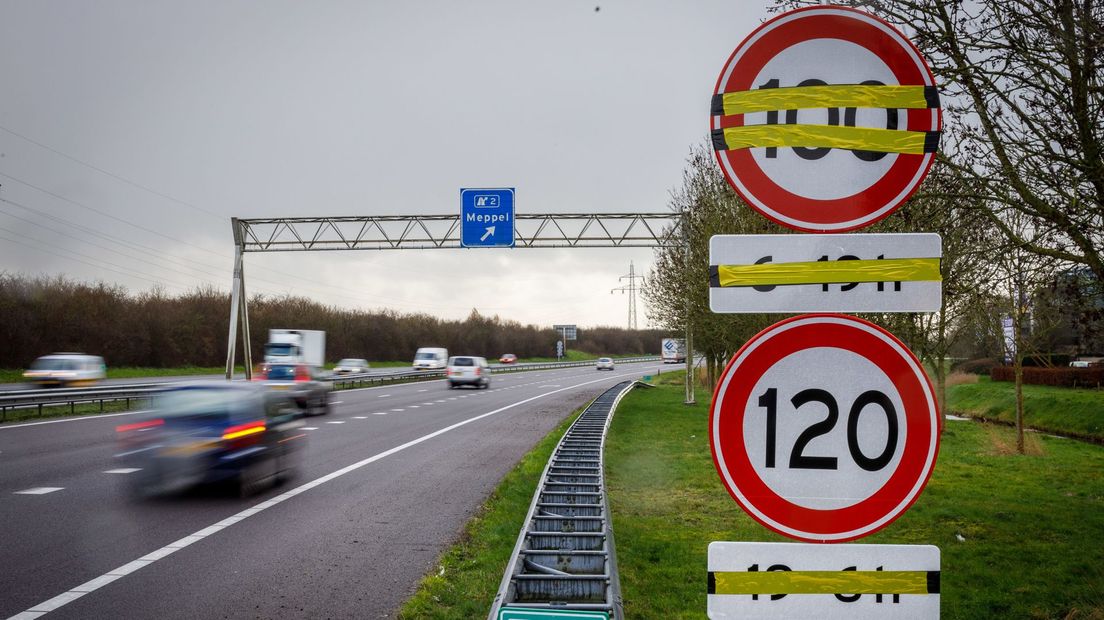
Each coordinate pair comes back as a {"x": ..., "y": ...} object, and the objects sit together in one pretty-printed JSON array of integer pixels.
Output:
[
  {"x": 689, "y": 332},
  {"x": 235, "y": 293}
]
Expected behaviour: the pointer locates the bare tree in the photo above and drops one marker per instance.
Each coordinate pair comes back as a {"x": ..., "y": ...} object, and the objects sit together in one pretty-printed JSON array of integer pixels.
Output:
[
  {"x": 1022, "y": 84},
  {"x": 1023, "y": 81}
]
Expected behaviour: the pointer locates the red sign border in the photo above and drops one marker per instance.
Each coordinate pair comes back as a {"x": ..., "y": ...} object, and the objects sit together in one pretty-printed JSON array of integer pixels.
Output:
[
  {"x": 884, "y": 193},
  {"x": 905, "y": 484}
]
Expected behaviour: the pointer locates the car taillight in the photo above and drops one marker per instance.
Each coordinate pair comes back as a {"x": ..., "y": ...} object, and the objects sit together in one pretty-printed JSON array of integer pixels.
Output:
[
  {"x": 478, "y": 371},
  {"x": 139, "y": 426},
  {"x": 302, "y": 374},
  {"x": 244, "y": 430},
  {"x": 261, "y": 373}
]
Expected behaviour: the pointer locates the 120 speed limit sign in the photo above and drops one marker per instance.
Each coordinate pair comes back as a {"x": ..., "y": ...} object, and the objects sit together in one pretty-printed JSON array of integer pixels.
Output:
[
  {"x": 825, "y": 119},
  {"x": 824, "y": 427}
]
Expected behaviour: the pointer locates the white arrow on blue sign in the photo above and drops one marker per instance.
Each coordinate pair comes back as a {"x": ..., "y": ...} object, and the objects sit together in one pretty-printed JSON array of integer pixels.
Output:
[{"x": 487, "y": 218}]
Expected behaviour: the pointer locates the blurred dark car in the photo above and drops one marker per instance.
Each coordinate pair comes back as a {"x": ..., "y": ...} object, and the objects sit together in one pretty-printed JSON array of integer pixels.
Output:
[
  {"x": 507, "y": 358},
  {"x": 210, "y": 432},
  {"x": 299, "y": 383}
]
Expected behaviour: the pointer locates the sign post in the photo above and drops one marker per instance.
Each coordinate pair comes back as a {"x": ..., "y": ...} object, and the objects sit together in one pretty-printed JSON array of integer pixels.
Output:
[
  {"x": 824, "y": 428},
  {"x": 825, "y": 273},
  {"x": 766, "y": 581},
  {"x": 825, "y": 119}
]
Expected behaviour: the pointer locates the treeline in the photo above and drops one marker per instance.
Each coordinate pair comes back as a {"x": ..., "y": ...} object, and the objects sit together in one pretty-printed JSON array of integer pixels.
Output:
[{"x": 45, "y": 315}]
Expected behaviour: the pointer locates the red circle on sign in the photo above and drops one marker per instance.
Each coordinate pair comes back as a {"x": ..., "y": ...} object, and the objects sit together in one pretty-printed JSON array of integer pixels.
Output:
[
  {"x": 877, "y": 43},
  {"x": 822, "y": 332}
]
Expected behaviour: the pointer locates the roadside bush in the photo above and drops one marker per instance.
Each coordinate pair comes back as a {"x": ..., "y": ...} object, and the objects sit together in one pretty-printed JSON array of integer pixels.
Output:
[
  {"x": 1061, "y": 377},
  {"x": 980, "y": 366},
  {"x": 153, "y": 329}
]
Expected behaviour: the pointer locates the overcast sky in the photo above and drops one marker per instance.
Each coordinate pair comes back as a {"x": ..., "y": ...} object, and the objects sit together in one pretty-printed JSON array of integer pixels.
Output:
[{"x": 130, "y": 133}]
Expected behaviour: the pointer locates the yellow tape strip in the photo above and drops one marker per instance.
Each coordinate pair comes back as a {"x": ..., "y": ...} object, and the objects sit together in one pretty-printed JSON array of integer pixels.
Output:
[
  {"x": 834, "y": 96},
  {"x": 822, "y": 582},
  {"x": 831, "y": 136},
  {"x": 828, "y": 272}
]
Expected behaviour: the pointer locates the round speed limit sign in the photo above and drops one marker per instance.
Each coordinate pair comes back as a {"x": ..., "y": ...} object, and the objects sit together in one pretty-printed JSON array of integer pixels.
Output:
[
  {"x": 825, "y": 119},
  {"x": 824, "y": 427}
]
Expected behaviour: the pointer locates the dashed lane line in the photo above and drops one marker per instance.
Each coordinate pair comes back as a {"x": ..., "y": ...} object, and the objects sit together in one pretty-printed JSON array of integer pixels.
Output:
[
  {"x": 38, "y": 491},
  {"x": 123, "y": 470}
]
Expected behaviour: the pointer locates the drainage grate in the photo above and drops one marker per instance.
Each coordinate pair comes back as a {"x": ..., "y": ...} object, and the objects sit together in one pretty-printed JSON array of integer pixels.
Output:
[{"x": 564, "y": 557}]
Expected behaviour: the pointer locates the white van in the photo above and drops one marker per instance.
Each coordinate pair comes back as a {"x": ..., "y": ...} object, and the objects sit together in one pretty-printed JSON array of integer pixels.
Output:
[
  {"x": 66, "y": 369},
  {"x": 431, "y": 358}
]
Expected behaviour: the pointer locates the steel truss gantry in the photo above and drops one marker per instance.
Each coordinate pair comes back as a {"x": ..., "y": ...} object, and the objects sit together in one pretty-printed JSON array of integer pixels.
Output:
[{"x": 424, "y": 232}]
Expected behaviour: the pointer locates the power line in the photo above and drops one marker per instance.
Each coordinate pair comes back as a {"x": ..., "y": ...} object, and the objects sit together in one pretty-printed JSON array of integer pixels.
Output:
[{"x": 630, "y": 288}]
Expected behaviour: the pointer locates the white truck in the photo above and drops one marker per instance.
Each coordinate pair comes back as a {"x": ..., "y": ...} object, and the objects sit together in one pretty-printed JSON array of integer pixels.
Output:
[
  {"x": 296, "y": 346},
  {"x": 673, "y": 350}
]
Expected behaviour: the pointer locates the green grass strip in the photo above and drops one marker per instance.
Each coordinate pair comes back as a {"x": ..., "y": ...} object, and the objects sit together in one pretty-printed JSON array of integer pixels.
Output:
[
  {"x": 1020, "y": 535},
  {"x": 1076, "y": 412}
]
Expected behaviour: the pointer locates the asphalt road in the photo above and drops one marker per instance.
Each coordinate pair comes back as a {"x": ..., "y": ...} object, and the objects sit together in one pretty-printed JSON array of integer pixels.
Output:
[{"x": 386, "y": 484}]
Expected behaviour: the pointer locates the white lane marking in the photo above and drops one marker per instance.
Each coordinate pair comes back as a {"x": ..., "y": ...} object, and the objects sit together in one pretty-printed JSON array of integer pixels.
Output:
[
  {"x": 309, "y": 428},
  {"x": 337, "y": 402},
  {"x": 400, "y": 409},
  {"x": 336, "y": 422},
  {"x": 360, "y": 417},
  {"x": 80, "y": 419},
  {"x": 452, "y": 398},
  {"x": 383, "y": 396},
  {"x": 123, "y": 470},
  {"x": 423, "y": 390},
  {"x": 38, "y": 491},
  {"x": 413, "y": 406},
  {"x": 94, "y": 584},
  {"x": 379, "y": 413},
  {"x": 427, "y": 404}
]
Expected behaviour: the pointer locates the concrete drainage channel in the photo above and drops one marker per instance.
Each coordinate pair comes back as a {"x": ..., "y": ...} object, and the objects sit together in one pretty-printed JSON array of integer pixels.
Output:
[{"x": 564, "y": 557}]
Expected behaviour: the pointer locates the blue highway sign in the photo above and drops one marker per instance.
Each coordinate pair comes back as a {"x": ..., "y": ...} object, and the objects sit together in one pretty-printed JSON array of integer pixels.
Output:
[{"x": 487, "y": 218}]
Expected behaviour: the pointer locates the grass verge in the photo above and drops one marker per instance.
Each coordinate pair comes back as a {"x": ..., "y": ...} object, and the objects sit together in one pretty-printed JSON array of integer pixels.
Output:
[
  {"x": 468, "y": 574},
  {"x": 1076, "y": 412},
  {"x": 1020, "y": 536}
]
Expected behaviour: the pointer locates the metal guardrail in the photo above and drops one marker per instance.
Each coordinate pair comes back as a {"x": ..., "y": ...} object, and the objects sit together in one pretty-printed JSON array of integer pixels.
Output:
[
  {"x": 564, "y": 558},
  {"x": 56, "y": 397},
  {"x": 72, "y": 396}
]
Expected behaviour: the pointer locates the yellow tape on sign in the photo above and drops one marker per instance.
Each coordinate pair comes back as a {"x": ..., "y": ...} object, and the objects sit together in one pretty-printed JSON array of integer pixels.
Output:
[
  {"x": 826, "y": 582},
  {"x": 830, "y": 136},
  {"x": 827, "y": 272},
  {"x": 833, "y": 96}
]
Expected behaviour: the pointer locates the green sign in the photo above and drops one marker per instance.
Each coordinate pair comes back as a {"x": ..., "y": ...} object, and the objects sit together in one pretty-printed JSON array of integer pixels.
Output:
[{"x": 523, "y": 613}]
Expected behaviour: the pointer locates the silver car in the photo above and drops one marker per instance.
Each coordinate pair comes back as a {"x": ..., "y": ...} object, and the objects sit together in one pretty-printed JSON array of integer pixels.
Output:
[
  {"x": 605, "y": 363},
  {"x": 298, "y": 382},
  {"x": 351, "y": 367},
  {"x": 468, "y": 370}
]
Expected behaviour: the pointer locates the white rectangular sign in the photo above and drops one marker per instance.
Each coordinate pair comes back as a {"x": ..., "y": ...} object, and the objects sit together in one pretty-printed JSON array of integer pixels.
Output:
[
  {"x": 770, "y": 581},
  {"x": 904, "y": 267}
]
